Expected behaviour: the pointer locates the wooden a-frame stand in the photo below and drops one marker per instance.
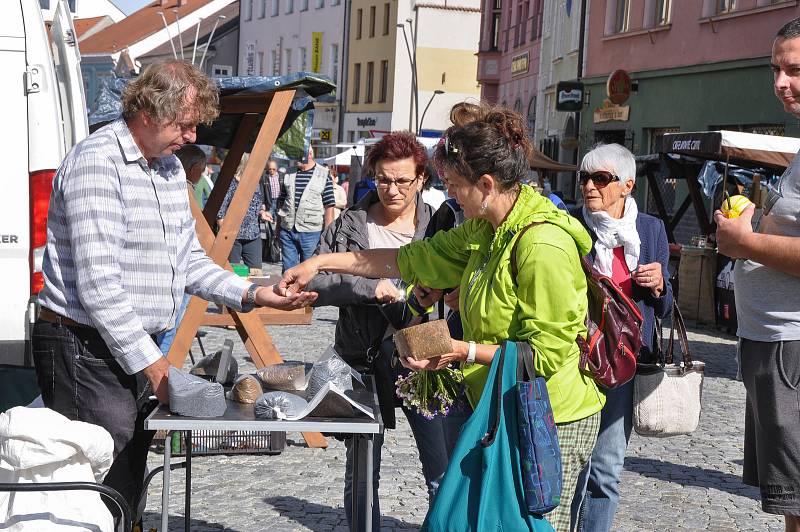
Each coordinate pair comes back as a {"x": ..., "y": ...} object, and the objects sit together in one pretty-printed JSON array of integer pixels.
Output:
[{"x": 251, "y": 330}]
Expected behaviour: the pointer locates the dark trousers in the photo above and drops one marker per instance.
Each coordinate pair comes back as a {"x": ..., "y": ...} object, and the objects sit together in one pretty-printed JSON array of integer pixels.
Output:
[
  {"x": 80, "y": 379},
  {"x": 247, "y": 251}
]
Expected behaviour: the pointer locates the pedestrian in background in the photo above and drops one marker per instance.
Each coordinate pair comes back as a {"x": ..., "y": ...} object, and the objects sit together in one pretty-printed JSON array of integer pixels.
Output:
[
  {"x": 305, "y": 208},
  {"x": 272, "y": 189},
  {"x": 631, "y": 248},
  {"x": 247, "y": 246},
  {"x": 767, "y": 289}
]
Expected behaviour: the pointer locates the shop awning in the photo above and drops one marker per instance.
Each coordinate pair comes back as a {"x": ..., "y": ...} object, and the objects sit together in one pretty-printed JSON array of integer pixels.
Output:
[
  {"x": 745, "y": 149},
  {"x": 540, "y": 161}
]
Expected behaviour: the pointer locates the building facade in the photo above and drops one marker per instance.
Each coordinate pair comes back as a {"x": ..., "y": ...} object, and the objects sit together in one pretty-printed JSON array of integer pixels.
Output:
[
  {"x": 693, "y": 66},
  {"x": 385, "y": 39},
  {"x": 280, "y": 37}
]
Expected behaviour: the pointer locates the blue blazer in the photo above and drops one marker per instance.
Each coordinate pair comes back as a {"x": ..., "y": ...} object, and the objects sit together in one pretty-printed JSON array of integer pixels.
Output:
[{"x": 654, "y": 248}]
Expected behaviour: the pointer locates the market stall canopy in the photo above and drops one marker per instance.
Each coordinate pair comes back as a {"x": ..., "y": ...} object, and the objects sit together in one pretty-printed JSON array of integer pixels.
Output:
[
  {"x": 238, "y": 96},
  {"x": 540, "y": 161},
  {"x": 745, "y": 149},
  {"x": 344, "y": 158}
]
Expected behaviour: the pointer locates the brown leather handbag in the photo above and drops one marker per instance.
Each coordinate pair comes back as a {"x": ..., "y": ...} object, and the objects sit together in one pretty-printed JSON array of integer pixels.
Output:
[{"x": 614, "y": 336}]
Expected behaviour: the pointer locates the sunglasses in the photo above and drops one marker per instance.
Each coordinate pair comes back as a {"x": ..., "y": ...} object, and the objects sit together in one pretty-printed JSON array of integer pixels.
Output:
[{"x": 601, "y": 178}]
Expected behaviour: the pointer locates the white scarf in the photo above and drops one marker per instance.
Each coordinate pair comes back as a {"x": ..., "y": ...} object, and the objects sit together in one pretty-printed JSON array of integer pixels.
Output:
[{"x": 613, "y": 233}]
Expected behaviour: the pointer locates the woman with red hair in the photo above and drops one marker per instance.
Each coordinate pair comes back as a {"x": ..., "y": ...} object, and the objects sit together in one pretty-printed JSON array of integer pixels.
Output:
[{"x": 370, "y": 310}]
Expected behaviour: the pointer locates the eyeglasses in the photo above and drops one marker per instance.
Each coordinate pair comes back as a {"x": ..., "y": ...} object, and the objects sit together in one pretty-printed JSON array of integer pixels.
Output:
[
  {"x": 384, "y": 183},
  {"x": 601, "y": 178}
]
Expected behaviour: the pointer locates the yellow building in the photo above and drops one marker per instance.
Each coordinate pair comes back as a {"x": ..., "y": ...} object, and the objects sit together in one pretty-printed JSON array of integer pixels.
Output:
[{"x": 384, "y": 38}]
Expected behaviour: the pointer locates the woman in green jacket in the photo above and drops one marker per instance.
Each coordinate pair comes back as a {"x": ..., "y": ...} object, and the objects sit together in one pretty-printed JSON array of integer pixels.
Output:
[{"x": 541, "y": 299}]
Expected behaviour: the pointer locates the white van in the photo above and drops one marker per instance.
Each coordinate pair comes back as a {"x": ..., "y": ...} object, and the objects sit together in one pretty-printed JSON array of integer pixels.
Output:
[{"x": 44, "y": 113}]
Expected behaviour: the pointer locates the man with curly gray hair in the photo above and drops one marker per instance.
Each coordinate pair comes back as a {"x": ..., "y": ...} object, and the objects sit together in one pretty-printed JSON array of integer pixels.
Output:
[{"x": 121, "y": 250}]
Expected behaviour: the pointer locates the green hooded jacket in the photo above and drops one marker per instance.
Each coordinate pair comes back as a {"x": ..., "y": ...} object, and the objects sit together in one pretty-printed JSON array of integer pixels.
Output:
[{"x": 545, "y": 305}]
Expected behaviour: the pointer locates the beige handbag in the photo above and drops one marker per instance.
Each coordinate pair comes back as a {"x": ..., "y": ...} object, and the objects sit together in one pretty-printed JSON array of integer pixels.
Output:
[{"x": 667, "y": 396}]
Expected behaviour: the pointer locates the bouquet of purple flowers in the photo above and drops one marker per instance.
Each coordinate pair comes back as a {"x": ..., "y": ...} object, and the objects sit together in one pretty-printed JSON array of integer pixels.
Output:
[{"x": 430, "y": 393}]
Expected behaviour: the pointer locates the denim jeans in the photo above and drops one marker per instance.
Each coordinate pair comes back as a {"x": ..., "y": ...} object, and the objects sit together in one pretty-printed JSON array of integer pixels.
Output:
[
  {"x": 297, "y": 247},
  {"x": 165, "y": 339},
  {"x": 436, "y": 438},
  {"x": 598, "y": 486},
  {"x": 377, "y": 445},
  {"x": 248, "y": 251},
  {"x": 80, "y": 379}
]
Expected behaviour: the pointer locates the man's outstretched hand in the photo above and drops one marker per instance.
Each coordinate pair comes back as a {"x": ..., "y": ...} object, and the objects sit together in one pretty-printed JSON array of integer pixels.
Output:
[
  {"x": 297, "y": 278},
  {"x": 280, "y": 299}
]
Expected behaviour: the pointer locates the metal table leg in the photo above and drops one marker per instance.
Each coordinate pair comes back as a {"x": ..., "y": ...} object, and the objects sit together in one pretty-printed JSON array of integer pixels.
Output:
[
  {"x": 355, "y": 516},
  {"x": 368, "y": 502},
  {"x": 165, "y": 486},
  {"x": 188, "y": 500}
]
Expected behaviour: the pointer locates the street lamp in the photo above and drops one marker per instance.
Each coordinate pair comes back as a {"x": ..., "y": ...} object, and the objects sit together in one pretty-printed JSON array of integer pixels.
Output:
[
  {"x": 411, "y": 122},
  {"x": 435, "y": 93}
]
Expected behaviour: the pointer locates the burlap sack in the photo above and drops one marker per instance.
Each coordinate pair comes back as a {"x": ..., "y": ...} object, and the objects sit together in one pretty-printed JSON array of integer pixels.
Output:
[
  {"x": 424, "y": 341},
  {"x": 246, "y": 389}
]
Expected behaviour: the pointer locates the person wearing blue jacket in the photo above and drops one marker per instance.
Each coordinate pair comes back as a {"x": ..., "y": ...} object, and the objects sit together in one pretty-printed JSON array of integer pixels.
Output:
[{"x": 632, "y": 249}]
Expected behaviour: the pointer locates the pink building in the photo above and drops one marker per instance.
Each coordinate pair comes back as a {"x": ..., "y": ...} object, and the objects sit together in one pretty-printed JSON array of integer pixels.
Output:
[{"x": 508, "y": 56}]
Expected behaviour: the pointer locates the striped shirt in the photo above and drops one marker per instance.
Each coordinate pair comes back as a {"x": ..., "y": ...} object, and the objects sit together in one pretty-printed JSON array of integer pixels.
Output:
[
  {"x": 301, "y": 181},
  {"x": 121, "y": 246}
]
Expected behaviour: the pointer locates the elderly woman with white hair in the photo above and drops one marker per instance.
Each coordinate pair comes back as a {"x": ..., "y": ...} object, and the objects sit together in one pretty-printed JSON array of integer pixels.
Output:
[{"x": 631, "y": 248}]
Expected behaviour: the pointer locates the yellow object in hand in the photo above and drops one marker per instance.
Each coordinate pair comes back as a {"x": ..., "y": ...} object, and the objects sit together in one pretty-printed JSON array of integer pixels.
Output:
[{"x": 733, "y": 206}]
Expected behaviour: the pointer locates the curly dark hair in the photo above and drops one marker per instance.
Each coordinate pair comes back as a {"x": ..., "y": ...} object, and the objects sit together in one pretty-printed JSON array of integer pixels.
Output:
[
  {"x": 486, "y": 140},
  {"x": 394, "y": 147}
]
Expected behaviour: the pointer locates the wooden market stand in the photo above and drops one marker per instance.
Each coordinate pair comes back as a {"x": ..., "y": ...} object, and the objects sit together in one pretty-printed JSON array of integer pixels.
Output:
[{"x": 275, "y": 105}]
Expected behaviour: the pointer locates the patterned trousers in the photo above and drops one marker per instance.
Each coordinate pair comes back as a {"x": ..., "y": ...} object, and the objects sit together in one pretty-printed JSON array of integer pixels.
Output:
[{"x": 576, "y": 440}]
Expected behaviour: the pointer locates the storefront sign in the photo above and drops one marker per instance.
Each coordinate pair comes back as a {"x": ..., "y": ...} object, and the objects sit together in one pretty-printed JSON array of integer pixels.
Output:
[
  {"x": 519, "y": 64},
  {"x": 366, "y": 122},
  {"x": 569, "y": 96},
  {"x": 618, "y": 87},
  {"x": 316, "y": 51},
  {"x": 609, "y": 111},
  {"x": 325, "y": 135},
  {"x": 250, "y": 58}
]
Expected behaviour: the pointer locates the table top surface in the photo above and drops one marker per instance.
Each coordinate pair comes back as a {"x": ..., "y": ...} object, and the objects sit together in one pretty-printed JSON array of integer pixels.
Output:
[{"x": 240, "y": 416}]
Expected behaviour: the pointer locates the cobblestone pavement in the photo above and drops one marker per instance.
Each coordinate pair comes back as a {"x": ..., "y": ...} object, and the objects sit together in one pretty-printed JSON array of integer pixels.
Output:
[{"x": 691, "y": 482}]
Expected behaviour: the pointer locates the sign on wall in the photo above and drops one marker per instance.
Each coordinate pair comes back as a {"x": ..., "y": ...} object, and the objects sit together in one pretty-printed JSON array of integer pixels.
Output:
[
  {"x": 610, "y": 111},
  {"x": 250, "y": 59},
  {"x": 316, "y": 51},
  {"x": 519, "y": 64},
  {"x": 619, "y": 87},
  {"x": 569, "y": 96}
]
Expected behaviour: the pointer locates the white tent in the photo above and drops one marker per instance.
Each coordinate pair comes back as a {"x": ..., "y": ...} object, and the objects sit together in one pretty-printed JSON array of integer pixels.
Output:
[{"x": 344, "y": 158}]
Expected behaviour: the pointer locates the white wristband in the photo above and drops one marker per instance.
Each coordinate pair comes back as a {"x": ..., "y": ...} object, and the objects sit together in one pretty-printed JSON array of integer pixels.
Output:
[{"x": 471, "y": 352}]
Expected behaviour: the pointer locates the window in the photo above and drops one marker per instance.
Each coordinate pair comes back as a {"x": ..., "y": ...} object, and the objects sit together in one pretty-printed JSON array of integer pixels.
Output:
[
  {"x": 531, "y": 116},
  {"x": 335, "y": 2},
  {"x": 221, "y": 70},
  {"x": 372, "y": 21},
  {"x": 384, "y": 81},
  {"x": 260, "y": 63},
  {"x": 662, "y": 12},
  {"x": 370, "y": 79},
  {"x": 726, "y": 6},
  {"x": 289, "y": 61},
  {"x": 276, "y": 8},
  {"x": 356, "y": 81},
  {"x": 289, "y": 6},
  {"x": 334, "y": 74},
  {"x": 320, "y": 4},
  {"x": 303, "y": 59},
  {"x": 276, "y": 66},
  {"x": 522, "y": 19},
  {"x": 537, "y": 17},
  {"x": 496, "y": 14},
  {"x": 303, "y": 5},
  {"x": 621, "y": 16},
  {"x": 248, "y": 10},
  {"x": 263, "y": 11},
  {"x": 387, "y": 11},
  {"x": 359, "y": 20}
]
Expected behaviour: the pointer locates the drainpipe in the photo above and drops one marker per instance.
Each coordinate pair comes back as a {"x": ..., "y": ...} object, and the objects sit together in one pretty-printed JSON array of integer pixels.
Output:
[
  {"x": 581, "y": 45},
  {"x": 343, "y": 68}
]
